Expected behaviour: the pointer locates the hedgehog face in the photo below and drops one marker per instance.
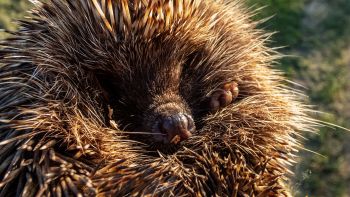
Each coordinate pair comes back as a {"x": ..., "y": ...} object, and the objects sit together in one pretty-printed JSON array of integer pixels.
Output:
[
  {"x": 149, "y": 99},
  {"x": 158, "y": 95}
]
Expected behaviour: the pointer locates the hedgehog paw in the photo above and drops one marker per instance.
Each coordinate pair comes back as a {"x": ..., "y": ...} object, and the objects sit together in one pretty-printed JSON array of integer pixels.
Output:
[{"x": 223, "y": 96}]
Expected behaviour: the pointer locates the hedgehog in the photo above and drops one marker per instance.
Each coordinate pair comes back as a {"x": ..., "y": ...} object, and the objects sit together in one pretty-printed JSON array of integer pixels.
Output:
[{"x": 145, "y": 98}]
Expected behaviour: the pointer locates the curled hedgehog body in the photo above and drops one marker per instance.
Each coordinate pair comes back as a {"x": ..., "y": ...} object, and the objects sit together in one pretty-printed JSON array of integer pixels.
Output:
[{"x": 83, "y": 82}]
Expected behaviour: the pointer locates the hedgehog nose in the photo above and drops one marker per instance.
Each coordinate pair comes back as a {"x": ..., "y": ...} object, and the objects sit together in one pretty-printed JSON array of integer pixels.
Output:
[{"x": 177, "y": 127}]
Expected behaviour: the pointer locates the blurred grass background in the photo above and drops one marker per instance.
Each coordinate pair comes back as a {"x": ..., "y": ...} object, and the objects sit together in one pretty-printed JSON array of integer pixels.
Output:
[{"x": 317, "y": 34}]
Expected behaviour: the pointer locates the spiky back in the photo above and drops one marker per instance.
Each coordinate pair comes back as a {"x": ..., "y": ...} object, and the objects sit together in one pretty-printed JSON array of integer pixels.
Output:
[
  {"x": 145, "y": 18},
  {"x": 55, "y": 139}
]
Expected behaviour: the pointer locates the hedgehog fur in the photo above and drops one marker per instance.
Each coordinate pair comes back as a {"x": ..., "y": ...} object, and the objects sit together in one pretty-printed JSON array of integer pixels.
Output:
[{"x": 59, "y": 137}]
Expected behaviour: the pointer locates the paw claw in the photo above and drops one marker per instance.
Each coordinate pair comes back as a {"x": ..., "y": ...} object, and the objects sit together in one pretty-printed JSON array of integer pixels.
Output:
[{"x": 223, "y": 96}]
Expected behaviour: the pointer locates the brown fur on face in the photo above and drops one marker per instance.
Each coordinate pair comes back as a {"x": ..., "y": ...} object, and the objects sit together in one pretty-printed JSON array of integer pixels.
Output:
[{"x": 74, "y": 60}]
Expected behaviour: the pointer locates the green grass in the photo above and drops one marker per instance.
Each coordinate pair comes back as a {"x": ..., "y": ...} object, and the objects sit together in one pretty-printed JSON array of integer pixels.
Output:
[
  {"x": 317, "y": 33},
  {"x": 10, "y": 10}
]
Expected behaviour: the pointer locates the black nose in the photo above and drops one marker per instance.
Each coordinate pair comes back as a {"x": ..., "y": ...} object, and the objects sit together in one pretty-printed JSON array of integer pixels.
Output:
[{"x": 177, "y": 127}]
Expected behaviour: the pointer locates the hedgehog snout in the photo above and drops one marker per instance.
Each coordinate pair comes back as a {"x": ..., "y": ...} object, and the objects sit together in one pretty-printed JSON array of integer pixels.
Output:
[
  {"x": 169, "y": 119},
  {"x": 176, "y": 127}
]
